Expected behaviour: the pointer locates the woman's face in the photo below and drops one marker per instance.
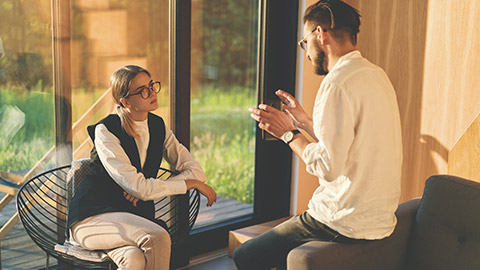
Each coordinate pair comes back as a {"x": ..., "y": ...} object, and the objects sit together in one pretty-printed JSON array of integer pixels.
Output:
[{"x": 136, "y": 103}]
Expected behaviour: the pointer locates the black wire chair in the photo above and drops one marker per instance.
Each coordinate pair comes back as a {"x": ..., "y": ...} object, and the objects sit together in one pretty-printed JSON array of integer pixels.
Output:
[{"x": 42, "y": 207}]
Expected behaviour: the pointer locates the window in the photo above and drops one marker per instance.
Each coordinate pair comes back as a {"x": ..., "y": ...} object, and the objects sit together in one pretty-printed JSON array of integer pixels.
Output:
[{"x": 215, "y": 58}]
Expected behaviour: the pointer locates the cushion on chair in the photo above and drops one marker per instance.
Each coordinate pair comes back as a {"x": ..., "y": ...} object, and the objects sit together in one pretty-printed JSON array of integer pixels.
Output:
[
  {"x": 81, "y": 253},
  {"x": 446, "y": 232}
]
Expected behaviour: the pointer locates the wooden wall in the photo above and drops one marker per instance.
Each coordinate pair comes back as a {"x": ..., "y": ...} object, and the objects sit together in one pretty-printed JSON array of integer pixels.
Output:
[{"x": 431, "y": 52}]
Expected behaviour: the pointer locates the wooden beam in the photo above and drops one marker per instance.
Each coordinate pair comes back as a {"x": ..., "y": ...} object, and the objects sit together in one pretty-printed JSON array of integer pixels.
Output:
[
  {"x": 12, "y": 177},
  {"x": 9, "y": 225},
  {"x": 9, "y": 190},
  {"x": 6, "y": 199}
]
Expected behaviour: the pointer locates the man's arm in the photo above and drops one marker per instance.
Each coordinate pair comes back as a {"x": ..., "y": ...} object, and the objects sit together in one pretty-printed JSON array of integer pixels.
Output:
[
  {"x": 277, "y": 123},
  {"x": 327, "y": 156}
]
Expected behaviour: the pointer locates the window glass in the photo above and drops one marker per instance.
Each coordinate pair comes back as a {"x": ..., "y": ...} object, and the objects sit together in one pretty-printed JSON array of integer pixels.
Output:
[
  {"x": 103, "y": 36},
  {"x": 26, "y": 114},
  {"x": 223, "y": 87},
  {"x": 107, "y": 35},
  {"x": 26, "y": 93}
]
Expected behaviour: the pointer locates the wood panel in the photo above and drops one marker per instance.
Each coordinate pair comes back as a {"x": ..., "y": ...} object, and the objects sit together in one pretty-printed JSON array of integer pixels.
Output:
[
  {"x": 431, "y": 53},
  {"x": 463, "y": 158}
]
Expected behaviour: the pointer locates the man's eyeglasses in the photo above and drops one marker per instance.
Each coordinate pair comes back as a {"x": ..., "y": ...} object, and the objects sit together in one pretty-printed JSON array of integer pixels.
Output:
[
  {"x": 145, "y": 91},
  {"x": 303, "y": 42}
]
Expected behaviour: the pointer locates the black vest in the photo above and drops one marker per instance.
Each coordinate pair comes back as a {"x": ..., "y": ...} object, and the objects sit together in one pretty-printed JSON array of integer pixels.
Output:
[{"x": 99, "y": 193}]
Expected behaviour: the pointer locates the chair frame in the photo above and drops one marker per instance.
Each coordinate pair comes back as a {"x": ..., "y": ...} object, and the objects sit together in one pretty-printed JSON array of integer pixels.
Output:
[{"x": 42, "y": 206}]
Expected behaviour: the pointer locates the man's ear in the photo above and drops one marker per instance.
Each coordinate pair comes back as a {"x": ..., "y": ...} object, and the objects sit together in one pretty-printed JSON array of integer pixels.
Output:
[
  {"x": 124, "y": 102},
  {"x": 322, "y": 35}
]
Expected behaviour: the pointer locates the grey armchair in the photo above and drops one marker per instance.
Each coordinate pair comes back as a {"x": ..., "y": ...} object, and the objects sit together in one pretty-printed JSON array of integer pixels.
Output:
[{"x": 439, "y": 231}]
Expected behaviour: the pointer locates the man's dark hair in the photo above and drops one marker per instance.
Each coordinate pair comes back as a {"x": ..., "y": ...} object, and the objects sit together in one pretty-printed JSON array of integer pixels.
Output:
[{"x": 335, "y": 16}]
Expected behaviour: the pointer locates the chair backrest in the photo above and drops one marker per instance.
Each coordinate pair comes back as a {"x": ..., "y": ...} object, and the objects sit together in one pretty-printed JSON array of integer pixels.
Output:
[
  {"x": 75, "y": 176},
  {"x": 446, "y": 232}
]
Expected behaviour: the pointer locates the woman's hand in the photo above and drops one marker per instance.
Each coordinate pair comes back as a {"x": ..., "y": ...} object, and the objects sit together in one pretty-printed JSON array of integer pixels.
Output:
[
  {"x": 131, "y": 198},
  {"x": 203, "y": 188}
]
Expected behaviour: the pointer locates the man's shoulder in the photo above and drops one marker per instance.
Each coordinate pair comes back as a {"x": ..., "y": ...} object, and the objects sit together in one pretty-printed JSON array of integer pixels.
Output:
[{"x": 352, "y": 69}]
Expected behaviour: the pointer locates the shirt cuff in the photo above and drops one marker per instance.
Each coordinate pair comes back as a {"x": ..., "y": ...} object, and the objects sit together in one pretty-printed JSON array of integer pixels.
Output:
[
  {"x": 177, "y": 186},
  {"x": 308, "y": 155}
]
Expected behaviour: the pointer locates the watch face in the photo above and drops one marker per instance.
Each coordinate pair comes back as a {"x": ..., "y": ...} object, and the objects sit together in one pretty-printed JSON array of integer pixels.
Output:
[{"x": 287, "y": 136}]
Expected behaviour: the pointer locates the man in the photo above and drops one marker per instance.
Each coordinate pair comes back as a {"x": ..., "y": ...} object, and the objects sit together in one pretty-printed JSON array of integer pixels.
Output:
[{"x": 357, "y": 152}]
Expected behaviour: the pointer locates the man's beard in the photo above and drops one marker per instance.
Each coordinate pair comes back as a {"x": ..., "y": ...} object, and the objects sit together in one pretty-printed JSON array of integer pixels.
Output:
[{"x": 320, "y": 63}]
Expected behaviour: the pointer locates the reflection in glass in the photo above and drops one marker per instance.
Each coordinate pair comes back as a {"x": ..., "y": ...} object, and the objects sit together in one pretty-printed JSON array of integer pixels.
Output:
[{"x": 107, "y": 35}]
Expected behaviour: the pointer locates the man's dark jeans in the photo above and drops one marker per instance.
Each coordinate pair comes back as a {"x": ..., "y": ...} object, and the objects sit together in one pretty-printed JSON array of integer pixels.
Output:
[{"x": 271, "y": 248}]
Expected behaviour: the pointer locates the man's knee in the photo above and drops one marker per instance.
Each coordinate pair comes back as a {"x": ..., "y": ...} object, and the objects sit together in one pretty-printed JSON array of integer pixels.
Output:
[{"x": 241, "y": 257}]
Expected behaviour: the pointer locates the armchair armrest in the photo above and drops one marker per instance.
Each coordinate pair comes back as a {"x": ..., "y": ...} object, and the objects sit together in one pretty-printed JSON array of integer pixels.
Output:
[{"x": 388, "y": 253}]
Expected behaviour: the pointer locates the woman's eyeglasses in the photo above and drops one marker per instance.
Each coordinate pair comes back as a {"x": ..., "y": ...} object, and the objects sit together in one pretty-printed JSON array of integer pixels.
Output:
[{"x": 145, "y": 91}]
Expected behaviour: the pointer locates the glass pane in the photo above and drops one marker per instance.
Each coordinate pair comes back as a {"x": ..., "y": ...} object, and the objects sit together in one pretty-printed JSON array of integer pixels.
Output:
[
  {"x": 26, "y": 113},
  {"x": 26, "y": 92},
  {"x": 223, "y": 87},
  {"x": 104, "y": 35},
  {"x": 107, "y": 35}
]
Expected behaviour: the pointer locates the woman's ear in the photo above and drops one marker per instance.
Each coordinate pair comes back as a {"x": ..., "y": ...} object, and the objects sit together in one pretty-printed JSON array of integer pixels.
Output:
[{"x": 124, "y": 102}]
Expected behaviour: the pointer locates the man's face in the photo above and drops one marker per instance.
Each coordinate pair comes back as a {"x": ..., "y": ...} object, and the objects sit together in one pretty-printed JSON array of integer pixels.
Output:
[{"x": 315, "y": 51}]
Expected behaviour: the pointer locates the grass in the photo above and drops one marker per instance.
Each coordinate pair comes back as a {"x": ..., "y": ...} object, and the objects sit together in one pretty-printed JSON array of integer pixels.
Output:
[
  {"x": 222, "y": 133},
  {"x": 223, "y": 140},
  {"x": 26, "y": 127}
]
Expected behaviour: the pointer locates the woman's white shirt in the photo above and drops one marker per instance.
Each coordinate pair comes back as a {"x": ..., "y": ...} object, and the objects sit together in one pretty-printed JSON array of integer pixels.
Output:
[{"x": 119, "y": 167}]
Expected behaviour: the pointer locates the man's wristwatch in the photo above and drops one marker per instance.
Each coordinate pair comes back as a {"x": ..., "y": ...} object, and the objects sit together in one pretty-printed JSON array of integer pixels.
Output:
[{"x": 288, "y": 136}]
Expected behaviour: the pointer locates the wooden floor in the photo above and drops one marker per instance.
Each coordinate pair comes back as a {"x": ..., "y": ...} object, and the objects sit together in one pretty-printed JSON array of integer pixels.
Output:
[
  {"x": 216, "y": 260},
  {"x": 18, "y": 252},
  {"x": 224, "y": 209}
]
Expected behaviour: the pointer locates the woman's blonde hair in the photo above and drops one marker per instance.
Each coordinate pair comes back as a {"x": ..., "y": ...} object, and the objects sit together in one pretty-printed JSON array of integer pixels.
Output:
[{"x": 120, "y": 84}]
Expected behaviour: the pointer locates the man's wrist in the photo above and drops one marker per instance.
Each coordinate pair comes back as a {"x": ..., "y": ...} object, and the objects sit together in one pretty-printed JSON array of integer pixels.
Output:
[{"x": 287, "y": 137}]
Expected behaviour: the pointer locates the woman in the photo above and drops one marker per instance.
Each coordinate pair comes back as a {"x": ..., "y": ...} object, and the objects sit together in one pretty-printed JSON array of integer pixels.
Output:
[{"x": 113, "y": 208}]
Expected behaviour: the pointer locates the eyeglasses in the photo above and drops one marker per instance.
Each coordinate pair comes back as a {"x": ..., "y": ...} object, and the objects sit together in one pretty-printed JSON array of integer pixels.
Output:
[
  {"x": 145, "y": 91},
  {"x": 303, "y": 42}
]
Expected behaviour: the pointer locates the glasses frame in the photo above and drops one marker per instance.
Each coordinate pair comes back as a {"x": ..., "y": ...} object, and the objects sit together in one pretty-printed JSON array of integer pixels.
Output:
[
  {"x": 302, "y": 43},
  {"x": 150, "y": 88}
]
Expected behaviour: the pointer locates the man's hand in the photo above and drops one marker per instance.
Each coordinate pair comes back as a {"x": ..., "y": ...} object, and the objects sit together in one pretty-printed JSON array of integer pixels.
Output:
[
  {"x": 131, "y": 198},
  {"x": 203, "y": 188},
  {"x": 294, "y": 109},
  {"x": 272, "y": 120}
]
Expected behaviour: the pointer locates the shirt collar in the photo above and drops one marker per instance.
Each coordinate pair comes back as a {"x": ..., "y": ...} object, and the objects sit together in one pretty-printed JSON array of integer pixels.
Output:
[{"x": 349, "y": 56}]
